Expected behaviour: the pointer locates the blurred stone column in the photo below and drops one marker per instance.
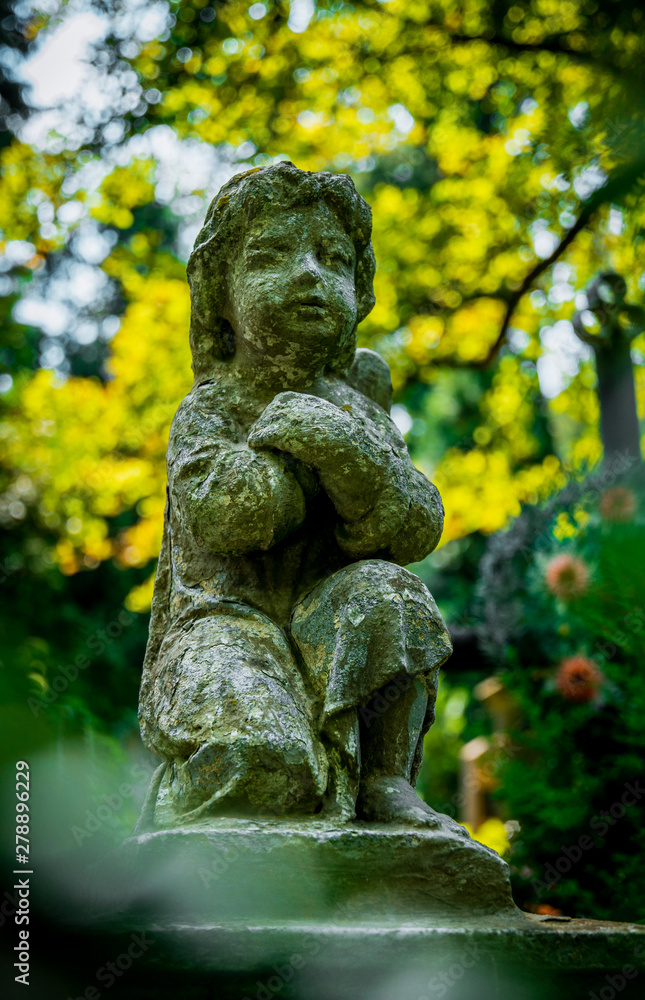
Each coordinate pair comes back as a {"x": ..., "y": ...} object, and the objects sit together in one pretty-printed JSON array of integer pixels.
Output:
[
  {"x": 608, "y": 325},
  {"x": 480, "y": 758}
]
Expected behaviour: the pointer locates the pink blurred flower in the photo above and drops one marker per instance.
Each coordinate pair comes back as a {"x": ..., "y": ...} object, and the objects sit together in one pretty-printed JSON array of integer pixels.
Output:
[
  {"x": 578, "y": 679},
  {"x": 567, "y": 577},
  {"x": 618, "y": 505}
]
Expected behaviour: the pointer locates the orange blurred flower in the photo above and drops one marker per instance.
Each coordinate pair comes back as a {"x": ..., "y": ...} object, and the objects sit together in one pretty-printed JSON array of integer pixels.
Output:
[
  {"x": 567, "y": 577},
  {"x": 578, "y": 679},
  {"x": 618, "y": 505},
  {"x": 543, "y": 908}
]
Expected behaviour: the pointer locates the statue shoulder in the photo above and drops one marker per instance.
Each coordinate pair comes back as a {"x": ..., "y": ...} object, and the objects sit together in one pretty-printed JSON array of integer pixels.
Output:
[
  {"x": 370, "y": 375},
  {"x": 201, "y": 415}
]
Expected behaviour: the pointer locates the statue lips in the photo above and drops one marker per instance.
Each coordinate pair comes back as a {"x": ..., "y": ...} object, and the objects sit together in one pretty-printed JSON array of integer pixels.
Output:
[{"x": 312, "y": 305}]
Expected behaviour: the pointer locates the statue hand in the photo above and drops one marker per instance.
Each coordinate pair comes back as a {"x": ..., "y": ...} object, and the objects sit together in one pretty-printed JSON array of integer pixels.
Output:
[
  {"x": 352, "y": 460},
  {"x": 295, "y": 422}
]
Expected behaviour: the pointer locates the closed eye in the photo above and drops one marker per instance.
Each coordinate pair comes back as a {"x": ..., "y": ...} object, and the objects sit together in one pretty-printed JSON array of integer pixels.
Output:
[
  {"x": 268, "y": 248},
  {"x": 265, "y": 254},
  {"x": 336, "y": 253}
]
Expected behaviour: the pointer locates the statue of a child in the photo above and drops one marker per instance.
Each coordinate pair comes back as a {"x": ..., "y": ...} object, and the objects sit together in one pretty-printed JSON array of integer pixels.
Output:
[{"x": 292, "y": 661}]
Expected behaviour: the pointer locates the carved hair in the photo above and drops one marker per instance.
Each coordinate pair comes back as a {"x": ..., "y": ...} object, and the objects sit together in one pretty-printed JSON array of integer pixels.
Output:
[{"x": 240, "y": 200}]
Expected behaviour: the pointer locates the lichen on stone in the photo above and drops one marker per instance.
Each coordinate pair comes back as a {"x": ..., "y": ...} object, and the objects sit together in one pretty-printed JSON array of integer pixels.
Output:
[{"x": 292, "y": 661}]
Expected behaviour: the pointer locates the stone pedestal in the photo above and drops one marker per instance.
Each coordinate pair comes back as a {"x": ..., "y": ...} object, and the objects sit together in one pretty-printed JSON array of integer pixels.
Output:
[
  {"x": 236, "y": 870},
  {"x": 308, "y": 911},
  {"x": 515, "y": 957}
]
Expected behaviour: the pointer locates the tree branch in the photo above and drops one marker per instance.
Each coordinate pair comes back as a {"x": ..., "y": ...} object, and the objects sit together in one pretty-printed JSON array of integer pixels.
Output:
[
  {"x": 547, "y": 45},
  {"x": 614, "y": 188}
]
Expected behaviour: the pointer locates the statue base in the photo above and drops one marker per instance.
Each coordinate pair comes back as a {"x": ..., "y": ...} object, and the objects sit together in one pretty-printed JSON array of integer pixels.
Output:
[
  {"x": 312, "y": 911},
  {"x": 232, "y": 869},
  {"x": 519, "y": 956}
]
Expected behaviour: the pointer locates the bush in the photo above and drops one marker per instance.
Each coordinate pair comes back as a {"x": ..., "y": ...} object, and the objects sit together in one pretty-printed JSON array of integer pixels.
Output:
[{"x": 562, "y": 615}]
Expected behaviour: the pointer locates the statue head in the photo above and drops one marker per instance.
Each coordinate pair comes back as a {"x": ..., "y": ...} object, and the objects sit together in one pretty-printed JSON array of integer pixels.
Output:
[{"x": 283, "y": 264}]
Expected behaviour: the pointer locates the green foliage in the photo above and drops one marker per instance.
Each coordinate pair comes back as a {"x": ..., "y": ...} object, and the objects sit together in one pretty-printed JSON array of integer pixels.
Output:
[
  {"x": 72, "y": 654},
  {"x": 580, "y": 751},
  {"x": 469, "y": 129},
  {"x": 437, "y": 783},
  {"x": 478, "y": 133}
]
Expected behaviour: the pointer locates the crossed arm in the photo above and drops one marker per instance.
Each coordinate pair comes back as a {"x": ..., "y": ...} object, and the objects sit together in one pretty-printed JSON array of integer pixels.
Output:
[
  {"x": 384, "y": 504},
  {"x": 240, "y": 498}
]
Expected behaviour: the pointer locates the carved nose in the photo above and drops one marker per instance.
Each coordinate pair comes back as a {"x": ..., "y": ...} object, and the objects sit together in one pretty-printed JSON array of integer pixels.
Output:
[{"x": 309, "y": 269}]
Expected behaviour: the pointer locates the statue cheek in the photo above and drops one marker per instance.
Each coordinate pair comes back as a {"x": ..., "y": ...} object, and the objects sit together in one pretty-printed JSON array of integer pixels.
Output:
[
  {"x": 257, "y": 305},
  {"x": 349, "y": 304}
]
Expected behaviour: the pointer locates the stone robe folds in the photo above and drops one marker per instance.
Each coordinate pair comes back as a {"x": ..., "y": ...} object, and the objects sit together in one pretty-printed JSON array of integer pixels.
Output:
[{"x": 268, "y": 638}]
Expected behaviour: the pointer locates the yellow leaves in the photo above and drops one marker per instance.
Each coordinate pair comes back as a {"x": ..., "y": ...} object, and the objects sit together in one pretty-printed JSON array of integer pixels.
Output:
[
  {"x": 385, "y": 312},
  {"x": 138, "y": 545},
  {"x": 425, "y": 334},
  {"x": 174, "y": 100},
  {"x": 154, "y": 326},
  {"x": 66, "y": 557},
  {"x": 194, "y": 63},
  {"x": 576, "y": 420},
  {"x": 456, "y": 147},
  {"x": 567, "y": 527},
  {"x": 457, "y": 81},
  {"x": 472, "y": 329},
  {"x": 388, "y": 200},
  {"x": 504, "y": 402},
  {"x": 36, "y": 24},
  {"x": 122, "y": 190},
  {"x": 195, "y": 93},
  {"x": 85, "y": 548},
  {"x": 481, "y": 492},
  {"x": 95, "y": 450},
  {"x": 140, "y": 598},
  {"x": 492, "y": 833},
  {"x": 639, "y": 381},
  {"x": 445, "y": 248},
  {"x": 152, "y": 50},
  {"x": 215, "y": 65},
  {"x": 28, "y": 181},
  {"x": 95, "y": 543}
]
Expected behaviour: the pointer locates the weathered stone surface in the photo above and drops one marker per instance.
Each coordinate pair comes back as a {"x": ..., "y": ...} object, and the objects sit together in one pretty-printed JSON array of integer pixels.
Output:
[
  {"x": 313, "y": 912},
  {"x": 241, "y": 870},
  {"x": 527, "y": 945},
  {"x": 292, "y": 661},
  {"x": 481, "y": 958}
]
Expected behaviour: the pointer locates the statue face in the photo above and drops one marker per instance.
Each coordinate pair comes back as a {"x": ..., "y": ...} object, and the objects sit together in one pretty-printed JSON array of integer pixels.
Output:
[{"x": 292, "y": 295}]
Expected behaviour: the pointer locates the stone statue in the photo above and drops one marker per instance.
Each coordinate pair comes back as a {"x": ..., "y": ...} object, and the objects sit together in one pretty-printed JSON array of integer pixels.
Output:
[{"x": 292, "y": 662}]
